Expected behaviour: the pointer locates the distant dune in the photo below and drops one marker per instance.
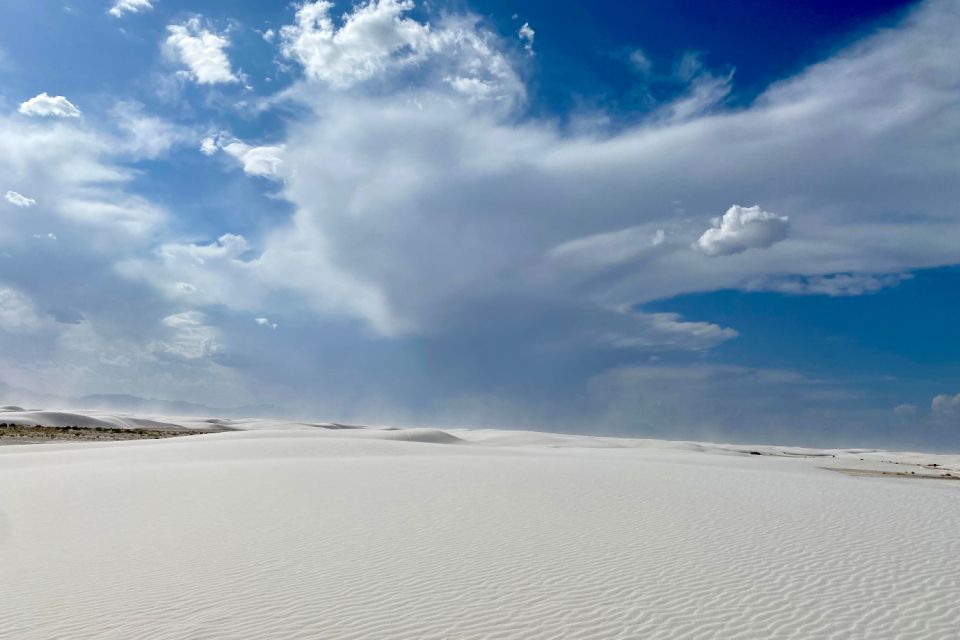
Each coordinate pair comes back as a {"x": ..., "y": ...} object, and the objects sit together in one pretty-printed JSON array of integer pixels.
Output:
[{"x": 275, "y": 529}]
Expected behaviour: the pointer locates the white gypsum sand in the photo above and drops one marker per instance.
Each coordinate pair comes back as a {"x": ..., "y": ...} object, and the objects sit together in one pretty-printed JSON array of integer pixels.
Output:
[{"x": 289, "y": 531}]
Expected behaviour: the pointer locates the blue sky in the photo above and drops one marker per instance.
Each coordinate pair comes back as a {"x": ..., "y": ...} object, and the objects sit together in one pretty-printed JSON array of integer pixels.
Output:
[{"x": 723, "y": 221}]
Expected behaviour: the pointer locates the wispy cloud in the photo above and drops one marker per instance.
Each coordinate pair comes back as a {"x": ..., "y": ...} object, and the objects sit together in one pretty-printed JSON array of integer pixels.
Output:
[
  {"x": 121, "y": 7},
  {"x": 18, "y": 200}
]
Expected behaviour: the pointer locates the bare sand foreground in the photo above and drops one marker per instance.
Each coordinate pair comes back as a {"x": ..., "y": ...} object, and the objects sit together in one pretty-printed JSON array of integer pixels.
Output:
[{"x": 280, "y": 530}]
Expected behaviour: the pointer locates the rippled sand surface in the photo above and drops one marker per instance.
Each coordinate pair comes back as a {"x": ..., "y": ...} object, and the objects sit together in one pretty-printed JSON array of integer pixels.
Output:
[{"x": 369, "y": 533}]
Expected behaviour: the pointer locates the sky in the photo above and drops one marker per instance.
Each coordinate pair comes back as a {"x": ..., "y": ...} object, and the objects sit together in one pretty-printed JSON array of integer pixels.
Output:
[{"x": 724, "y": 221}]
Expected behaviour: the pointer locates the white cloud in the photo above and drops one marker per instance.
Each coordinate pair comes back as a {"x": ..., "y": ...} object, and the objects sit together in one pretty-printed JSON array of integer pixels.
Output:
[
  {"x": 527, "y": 34},
  {"x": 945, "y": 405},
  {"x": 201, "y": 50},
  {"x": 385, "y": 180},
  {"x": 376, "y": 39},
  {"x": 704, "y": 93},
  {"x": 189, "y": 337},
  {"x": 73, "y": 331},
  {"x": 269, "y": 35},
  {"x": 743, "y": 228},
  {"x": 265, "y": 322},
  {"x": 374, "y": 36},
  {"x": 214, "y": 273},
  {"x": 121, "y": 7},
  {"x": 705, "y": 334},
  {"x": 475, "y": 88},
  {"x": 265, "y": 161},
  {"x": 45, "y": 236},
  {"x": 418, "y": 207},
  {"x": 80, "y": 171},
  {"x": 669, "y": 332},
  {"x": 18, "y": 200},
  {"x": 46, "y": 105},
  {"x": 208, "y": 146},
  {"x": 18, "y": 313},
  {"x": 836, "y": 285},
  {"x": 133, "y": 215},
  {"x": 222, "y": 273},
  {"x": 609, "y": 248},
  {"x": 229, "y": 245}
]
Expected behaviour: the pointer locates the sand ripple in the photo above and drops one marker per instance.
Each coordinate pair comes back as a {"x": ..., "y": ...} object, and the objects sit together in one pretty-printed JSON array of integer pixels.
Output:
[{"x": 372, "y": 538}]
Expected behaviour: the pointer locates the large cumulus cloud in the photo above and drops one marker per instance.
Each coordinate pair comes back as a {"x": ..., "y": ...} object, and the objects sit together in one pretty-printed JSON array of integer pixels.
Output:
[
  {"x": 742, "y": 228},
  {"x": 435, "y": 226},
  {"x": 438, "y": 208}
]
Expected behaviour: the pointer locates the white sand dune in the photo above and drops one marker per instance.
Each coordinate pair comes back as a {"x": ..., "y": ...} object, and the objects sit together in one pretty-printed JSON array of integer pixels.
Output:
[
  {"x": 294, "y": 531},
  {"x": 17, "y": 415},
  {"x": 91, "y": 418}
]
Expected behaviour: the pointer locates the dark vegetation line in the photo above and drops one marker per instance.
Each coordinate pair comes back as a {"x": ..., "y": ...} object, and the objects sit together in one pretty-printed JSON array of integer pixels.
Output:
[{"x": 39, "y": 432}]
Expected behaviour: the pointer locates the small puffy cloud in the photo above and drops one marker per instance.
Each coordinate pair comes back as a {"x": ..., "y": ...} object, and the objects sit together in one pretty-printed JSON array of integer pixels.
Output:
[
  {"x": 121, "y": 7},
  {"x": 265, "y": 322},
  {"x": 263, "y": 161},
  {"x": 269, "y": 35},
  {"x": 945, "y": 405},
  {"x": 375, "y": 35},
  {"x": 46, "y": 105},
  {"x": 208, "y": 146},
  {"x": 743, "y": 228},
  {"x": 377, "y": 38},
  {"x": 18, "y": 200},
  {"x": 201, "y": 50},
  {"x": 45, "y": 236},
  {"x": 527, "y": 34}
]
